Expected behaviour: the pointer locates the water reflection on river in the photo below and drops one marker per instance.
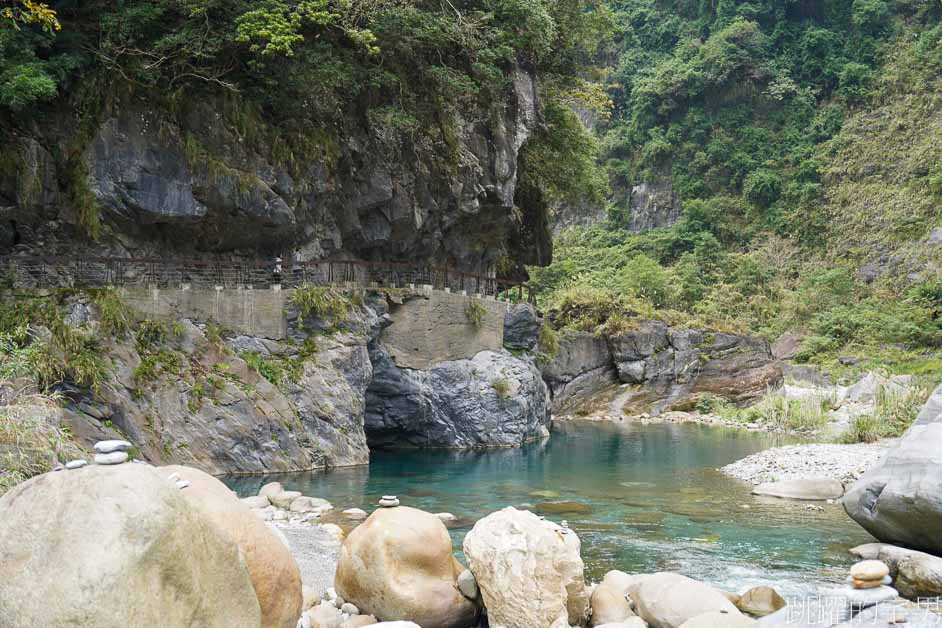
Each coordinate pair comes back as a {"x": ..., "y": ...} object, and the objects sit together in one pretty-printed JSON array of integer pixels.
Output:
[{"x": 642, "y": 498}]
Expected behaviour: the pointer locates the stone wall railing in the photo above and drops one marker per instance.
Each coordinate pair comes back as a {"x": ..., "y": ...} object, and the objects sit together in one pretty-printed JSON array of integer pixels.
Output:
[{"x": 53, "y": 272}]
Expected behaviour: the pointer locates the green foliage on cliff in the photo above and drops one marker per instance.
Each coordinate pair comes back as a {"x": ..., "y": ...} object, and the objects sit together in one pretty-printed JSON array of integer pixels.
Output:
[
  {"x": 303, "y": 72},
  {"x": 800, "y": 139}
]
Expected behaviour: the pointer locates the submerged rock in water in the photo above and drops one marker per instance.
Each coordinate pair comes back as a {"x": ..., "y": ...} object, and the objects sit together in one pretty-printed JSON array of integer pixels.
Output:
[
  {"x": 812, "y": 489},
  {"x": 564, "y": 507}
]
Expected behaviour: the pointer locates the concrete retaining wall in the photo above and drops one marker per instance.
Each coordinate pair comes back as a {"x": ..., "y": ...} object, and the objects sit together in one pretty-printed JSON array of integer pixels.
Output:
[
  {"x": 246, "y": 311},
  {"x": 435, "y": 328}
]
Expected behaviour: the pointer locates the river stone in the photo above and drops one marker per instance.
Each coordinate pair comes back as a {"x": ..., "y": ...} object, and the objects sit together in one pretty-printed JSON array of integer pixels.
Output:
[
  {"x": 359, "y": 621},
  {"x": 719, "y": 619},
  {"x": 398, "y": 564},
  {"x": 270, "y": 489},
  {"x": 760, "y": 601},
  {"x": 256, "y": 501},
  {"x": 667, "y": 600},
  {"x": 862, "y": 598},
  {"x": 283, "y": 499},
  {"x": 631, "y": 622},
  {"x": 388, "y": 502},
  {"x": 356, "y": 514},
  {"x": 116, "y": 457},
  {"x": 468, "y": 585},
  {"x": 76, "y": 464},
  {"x": 310, "y": 504},
  {"x": 868, "y": 570},
  {"x": 349, "y": 609},
  {"x": 325, "y": 615},
  {"x": 110, "y": 446},
  {"x": 446, "y": 517},
  {"x": 899, "y": 500},
  {"x": 812, "y": 489},
  {"x": 529, "y": 570},
  {"x": 609, "y": 601},
  {"x": 275, "y": 575},
  {"x": 128, "y": 540}
]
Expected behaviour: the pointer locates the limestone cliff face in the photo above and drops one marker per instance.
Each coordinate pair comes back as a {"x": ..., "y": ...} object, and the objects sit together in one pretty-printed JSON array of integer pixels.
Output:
[
  {"x": 656, "y": 368},
  {"x": 210, "y": 181}
]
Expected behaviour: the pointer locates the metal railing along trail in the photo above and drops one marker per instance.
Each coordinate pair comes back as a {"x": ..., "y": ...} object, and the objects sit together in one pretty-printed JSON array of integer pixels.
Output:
[{"x": 62, "y": 272}]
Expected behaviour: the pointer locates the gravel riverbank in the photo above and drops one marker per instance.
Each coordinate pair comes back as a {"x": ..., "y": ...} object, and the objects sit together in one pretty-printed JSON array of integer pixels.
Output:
[
  {"x": 316, "y": 551},
  {"x": 816, "y": 460}
]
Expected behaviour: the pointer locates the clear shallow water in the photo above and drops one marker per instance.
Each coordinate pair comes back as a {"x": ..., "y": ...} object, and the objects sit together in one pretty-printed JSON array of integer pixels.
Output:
[{"x": 642, "y": 498}]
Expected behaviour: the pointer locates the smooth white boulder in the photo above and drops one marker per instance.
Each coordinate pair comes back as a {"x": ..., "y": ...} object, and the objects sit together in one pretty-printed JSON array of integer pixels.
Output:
[{"x": 667, "y": 600}]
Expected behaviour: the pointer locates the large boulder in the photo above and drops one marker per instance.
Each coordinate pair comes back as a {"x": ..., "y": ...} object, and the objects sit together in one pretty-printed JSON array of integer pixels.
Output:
[
  {"x": 610, "y": 599},
  {"x": 529, "y": 570},
  {"x": 667, "y": 600},
  {"x": 810, "y": 489},
  {"x": 491, "y": 400},
  {"x": 398, "y": 565},
  {"x": 117, "y": 546},
  {"x": 275, "y": 575},
  {"x": 899, "y": 500},
  {"x": 760, "y": 601}
]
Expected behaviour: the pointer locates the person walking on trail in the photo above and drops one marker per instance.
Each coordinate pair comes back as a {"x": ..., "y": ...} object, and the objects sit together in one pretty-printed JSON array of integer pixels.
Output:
[{"x": 276, "y": 274}]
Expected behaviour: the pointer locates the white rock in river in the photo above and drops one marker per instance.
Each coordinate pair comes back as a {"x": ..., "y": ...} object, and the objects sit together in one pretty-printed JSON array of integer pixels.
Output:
[
  {"x": 355, "y": 513},
  {"x": 76, "y": 464},
  {"x": 446, "y": 517},
  {"x": 116, "y": 457},
  {"x": 349, "y": 609},
  {"x": 110, "y": 446}
]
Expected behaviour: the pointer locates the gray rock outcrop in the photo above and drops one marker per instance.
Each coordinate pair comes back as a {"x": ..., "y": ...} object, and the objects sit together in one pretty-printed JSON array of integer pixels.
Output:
[
  {"x": 653, "y": 205},
  {"x": 491, "y": 400},
  {"x": 668, "y": 368},
  {"x": 899, "y": 501},
  {"x": 521, "y": 327}
]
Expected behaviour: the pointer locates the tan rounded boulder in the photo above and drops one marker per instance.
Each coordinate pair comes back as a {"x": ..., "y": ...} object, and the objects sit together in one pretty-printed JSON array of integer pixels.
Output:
[
  {"x": 274, "y": 572},
  {"x": 529, "y": 570},
  {"x": 609, "y": 599},
  {"x": 667, "y": 600},
  {"x": 760, "y": 601},
  {"x": 117, "y": 546},
  {"x": 398, "y": 565}
]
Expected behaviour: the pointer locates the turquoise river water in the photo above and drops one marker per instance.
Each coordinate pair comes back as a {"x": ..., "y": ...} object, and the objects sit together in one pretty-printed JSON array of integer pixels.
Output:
[{"x": 642, "y": 498}]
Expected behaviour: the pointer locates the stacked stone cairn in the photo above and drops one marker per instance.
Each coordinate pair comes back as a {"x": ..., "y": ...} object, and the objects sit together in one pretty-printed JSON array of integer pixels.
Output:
[
  {"x": 111, "y": 451},
  {"x": 868, "y": 585}
]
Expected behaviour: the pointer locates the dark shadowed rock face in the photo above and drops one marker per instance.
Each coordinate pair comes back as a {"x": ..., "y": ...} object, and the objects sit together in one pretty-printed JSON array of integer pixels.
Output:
[
  {"x": 521, "y": 327},
  {"x": 900, "y": 500},
  {"x": 490, "y": 400},
  {"x": 197, "y": 182},
  {"x": 667, "y": 368}
]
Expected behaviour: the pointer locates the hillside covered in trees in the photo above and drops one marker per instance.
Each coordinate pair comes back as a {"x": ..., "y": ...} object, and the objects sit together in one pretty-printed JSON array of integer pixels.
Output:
[{"x": 797, "y": 145}]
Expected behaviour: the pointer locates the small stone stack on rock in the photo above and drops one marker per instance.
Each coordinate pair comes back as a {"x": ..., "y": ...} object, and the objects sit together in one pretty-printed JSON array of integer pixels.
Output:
[
  {"x": 869, "y": 582},
  {"x": 389, "y": 501},
  {"x": 111, "y": 451},
  {"x": 869, "y": 574}
]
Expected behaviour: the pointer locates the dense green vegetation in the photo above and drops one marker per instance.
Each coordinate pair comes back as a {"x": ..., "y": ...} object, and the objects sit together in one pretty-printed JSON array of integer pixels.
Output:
[
  {"x": 295, "y": 76},
  {"x": 801, "y": 138}
]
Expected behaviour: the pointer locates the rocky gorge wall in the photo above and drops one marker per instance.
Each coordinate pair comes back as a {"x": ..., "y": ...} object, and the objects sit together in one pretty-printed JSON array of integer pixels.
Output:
[
  {"x": 144, "y": 176},
  {"x": 655, "y": 368}
]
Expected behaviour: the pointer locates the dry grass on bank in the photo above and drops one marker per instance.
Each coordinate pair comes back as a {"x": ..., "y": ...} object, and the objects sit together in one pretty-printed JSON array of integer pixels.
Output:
[{"x": 30, "y": 440}]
